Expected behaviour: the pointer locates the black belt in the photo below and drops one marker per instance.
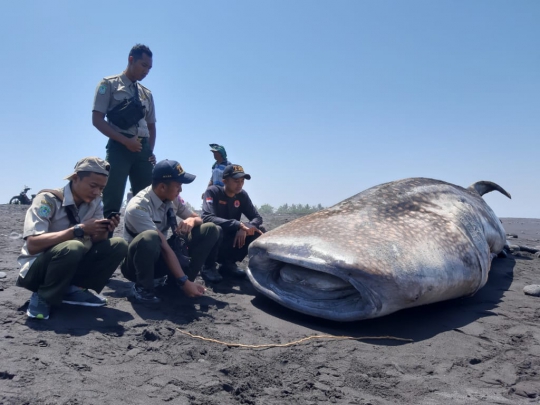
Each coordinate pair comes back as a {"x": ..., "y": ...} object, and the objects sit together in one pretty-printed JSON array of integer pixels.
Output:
[{"x": 140, "y": 138}]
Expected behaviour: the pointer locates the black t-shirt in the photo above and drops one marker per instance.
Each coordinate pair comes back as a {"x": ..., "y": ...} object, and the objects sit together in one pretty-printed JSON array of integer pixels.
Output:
[{"x": 226, "y": 211}]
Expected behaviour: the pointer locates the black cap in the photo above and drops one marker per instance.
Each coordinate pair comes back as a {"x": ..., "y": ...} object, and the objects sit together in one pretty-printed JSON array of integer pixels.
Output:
[
  {"x": 235, "y": 172},
  {"x": 171, "y": 170}
]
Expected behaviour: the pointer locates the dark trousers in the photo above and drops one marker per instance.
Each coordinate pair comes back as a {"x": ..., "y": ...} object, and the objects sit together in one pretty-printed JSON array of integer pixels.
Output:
[
  {"x": 226, "y": 251},
  {"x": 70, "y": 263},
  {"x": 144, "y": 262},
  {"x": 124, "y": 164}
]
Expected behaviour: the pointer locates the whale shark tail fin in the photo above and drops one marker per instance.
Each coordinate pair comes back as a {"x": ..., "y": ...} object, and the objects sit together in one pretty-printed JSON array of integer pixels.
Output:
[{"x": 484, "y": 187}]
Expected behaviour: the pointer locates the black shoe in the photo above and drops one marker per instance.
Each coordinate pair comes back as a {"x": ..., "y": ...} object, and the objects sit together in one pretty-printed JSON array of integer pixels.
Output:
[
  {"x": 210, "y": 274},
  {"x": 144, "y": 296},
  {"x": 232, "y": 270}
]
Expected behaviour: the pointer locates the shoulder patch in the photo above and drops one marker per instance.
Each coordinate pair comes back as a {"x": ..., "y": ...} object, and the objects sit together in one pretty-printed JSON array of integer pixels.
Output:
[
  {"x": 209, "y": 200},
  {"x": 44, "y": 211},
  {"x": 45, "y": 202},
  {"x": 102, "y": 89},
  {"x": 138, "y": 207}
]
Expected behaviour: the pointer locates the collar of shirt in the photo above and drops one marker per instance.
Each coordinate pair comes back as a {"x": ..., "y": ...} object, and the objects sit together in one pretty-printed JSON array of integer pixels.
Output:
[
  {"x": 68, "y": 196},
  {"x": 126, "y": 83},
  {"x": 156, "y": 201}
]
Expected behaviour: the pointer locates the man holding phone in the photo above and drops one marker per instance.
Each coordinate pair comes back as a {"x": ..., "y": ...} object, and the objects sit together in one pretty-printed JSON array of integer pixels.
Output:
[{"x": 67, "y": 250}]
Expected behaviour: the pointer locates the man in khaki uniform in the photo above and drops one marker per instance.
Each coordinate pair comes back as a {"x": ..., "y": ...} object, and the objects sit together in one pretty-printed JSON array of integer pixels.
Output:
[
  {"x": 130, "y": 148},
  {"x": 66, "y": 249},
  {"x": 146, "y": 224}
]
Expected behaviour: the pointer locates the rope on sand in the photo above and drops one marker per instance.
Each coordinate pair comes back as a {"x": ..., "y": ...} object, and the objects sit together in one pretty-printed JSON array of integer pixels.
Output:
[{"x": 294, "y": 342}]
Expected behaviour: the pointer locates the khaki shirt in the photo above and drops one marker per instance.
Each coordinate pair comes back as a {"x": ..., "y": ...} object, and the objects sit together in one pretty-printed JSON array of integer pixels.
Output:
[
  {"x": 48, "y": 214},
  {"x": 112, "y": 90},
  {"x": 146, "y": 211}
]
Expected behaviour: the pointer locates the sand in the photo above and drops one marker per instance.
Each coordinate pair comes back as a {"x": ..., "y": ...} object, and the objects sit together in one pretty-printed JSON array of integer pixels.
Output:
[{"x": 483, "y": 349}]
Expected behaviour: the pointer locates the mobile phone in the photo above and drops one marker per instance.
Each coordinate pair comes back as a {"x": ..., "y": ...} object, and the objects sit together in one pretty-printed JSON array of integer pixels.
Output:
[{"x": 113, "y": 214}]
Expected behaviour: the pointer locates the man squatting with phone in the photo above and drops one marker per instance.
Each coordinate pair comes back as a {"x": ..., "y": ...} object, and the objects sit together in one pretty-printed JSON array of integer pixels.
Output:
[{"x": 67, "y": 250}]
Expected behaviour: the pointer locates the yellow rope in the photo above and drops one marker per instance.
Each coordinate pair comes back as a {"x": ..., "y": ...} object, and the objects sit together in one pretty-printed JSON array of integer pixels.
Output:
[{"x": 294, "y": 342}]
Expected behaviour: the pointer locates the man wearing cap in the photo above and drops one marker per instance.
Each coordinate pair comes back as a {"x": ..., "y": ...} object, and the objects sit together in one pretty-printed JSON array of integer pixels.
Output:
[
  {"x": 130, "y": 127},
  {"x": 219, "y": 166},
  {"x": 66, "y": 249},
  {"x": 146, "y": 224},
  {"x": 224, "y": 206}
]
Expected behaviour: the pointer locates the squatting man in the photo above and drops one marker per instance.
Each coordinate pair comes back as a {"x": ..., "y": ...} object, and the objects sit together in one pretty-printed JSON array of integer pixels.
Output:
[
  {"x": 67, "y": 250},
  {"x": 146, "y": 223}
]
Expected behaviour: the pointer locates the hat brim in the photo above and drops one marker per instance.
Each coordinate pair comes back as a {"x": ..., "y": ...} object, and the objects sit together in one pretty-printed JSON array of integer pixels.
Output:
[
  {"x": 186, "y": 178},
  {"x": 240, "y": 175}
]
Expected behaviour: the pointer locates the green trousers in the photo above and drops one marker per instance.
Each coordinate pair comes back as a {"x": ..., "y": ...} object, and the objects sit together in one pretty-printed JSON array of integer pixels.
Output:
[
  {"x": 144, "y": 263},
  {"x": 70, "y": 263},
  {"x": 124, "y": 164}
]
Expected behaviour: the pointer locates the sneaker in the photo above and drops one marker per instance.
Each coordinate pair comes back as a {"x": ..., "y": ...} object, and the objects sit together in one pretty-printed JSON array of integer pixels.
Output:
[
  {"x": 38, "y": 307},
  {"x": 211, "y": 274},
  {"x": 144, "y": 296},
  {"x": 160, "y": 282},
  {"x": 85, "y": 298},
  {"x": 231, "y": 269}
]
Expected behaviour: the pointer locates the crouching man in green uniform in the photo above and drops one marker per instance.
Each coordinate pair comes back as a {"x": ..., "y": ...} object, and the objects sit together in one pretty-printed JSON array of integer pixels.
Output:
[
  {"x": 66, "y": 249},
  {"x": 146, "y": 223}
]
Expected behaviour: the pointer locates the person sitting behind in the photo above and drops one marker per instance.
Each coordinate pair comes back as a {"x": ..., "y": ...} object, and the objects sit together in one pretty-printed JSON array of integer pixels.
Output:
[
  {"x": 224, "y": 206},
  {"x": 219, "y": 165},
  {"x": 66, "y": 249},
  {"x": 146, "y": 224}
]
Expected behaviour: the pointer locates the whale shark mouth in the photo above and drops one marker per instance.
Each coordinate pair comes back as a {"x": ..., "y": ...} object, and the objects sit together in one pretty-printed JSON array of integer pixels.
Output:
[{"x": 319, "y": 291}]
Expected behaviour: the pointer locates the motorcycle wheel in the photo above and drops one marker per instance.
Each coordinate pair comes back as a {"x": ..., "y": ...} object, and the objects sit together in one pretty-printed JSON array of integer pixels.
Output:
[{"x": 15, "y": 200}]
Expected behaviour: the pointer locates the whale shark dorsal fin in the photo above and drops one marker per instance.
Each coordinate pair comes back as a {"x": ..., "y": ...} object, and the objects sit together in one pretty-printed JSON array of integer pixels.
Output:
[{"x": 484, "y": 187}]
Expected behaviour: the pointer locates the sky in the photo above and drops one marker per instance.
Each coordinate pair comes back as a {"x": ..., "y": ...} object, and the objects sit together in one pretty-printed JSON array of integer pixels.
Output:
[{"x": 317, "y": 100}]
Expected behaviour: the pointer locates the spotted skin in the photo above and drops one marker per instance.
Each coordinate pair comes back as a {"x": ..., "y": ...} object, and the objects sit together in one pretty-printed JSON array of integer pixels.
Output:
[{"x": 397, "y": 245}]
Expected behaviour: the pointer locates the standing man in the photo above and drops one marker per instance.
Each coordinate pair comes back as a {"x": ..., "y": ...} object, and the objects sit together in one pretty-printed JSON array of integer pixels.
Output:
[
  {"x": 66, "y": 249},
  {"x": 224, "y": 206},
  {"x": 146, "y": 224},
  {"x": 130, "y": 127}
]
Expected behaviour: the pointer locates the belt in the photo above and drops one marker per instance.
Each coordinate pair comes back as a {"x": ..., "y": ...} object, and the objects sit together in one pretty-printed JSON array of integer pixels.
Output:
[{"x": 141, "y": 139}]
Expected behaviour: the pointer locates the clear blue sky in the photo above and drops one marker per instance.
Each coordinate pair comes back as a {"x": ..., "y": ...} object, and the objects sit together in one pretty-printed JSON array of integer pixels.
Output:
[{"x": 318, "y": 100}]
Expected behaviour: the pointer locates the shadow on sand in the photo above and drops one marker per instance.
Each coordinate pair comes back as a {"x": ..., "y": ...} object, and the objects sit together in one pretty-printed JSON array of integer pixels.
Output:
[{"x": 418, "y": 323}]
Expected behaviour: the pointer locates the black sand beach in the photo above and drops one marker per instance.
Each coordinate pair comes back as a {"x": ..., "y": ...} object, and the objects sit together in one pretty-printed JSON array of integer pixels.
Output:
[{"x": 483, "y": 349}]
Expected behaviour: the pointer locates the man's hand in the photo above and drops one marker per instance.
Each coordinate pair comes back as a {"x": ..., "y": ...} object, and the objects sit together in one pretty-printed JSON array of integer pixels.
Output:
[
  {"x": 192, "y": 289},
  {"x": 250, "y": 229},
  {"x": 132, "y": 144},
  {"x": 113, "y": 223},
  {"x": 152, "y": 159},
  {"x": 185, "y": 226},
  {"x": 96, "y": 227},
  {"x": 240, "y": 239}
]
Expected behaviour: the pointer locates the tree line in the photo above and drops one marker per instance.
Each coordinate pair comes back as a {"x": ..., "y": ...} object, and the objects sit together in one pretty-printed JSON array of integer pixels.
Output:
[{"x": 289, "y": 209}]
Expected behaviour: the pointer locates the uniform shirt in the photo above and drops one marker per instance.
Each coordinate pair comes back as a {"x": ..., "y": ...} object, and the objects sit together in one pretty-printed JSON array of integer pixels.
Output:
[
  {"x": 217, "y": 172},
  {"x": 146, "y": 211},
  {"x": 226, "y": 211},
  {"x": 48, "y": 214},
  {"x": 112, "y": 90}
]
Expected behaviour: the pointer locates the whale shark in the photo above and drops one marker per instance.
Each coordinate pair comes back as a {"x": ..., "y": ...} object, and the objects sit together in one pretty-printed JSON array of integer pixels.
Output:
[{"x": 397, "y": 245}]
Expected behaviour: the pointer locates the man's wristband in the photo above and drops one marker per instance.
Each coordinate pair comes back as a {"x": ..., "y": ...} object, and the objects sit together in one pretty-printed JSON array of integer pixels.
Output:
[{"x": 181, "y": 281}]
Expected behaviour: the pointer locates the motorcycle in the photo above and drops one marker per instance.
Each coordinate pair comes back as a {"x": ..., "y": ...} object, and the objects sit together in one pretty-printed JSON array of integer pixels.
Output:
[{"x": 22, "y": 198}]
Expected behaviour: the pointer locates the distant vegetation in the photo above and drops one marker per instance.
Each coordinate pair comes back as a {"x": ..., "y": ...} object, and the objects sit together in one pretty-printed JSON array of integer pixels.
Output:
[
  {"x": 266, "y": 209},
  {"x": 289, "y": 209}
]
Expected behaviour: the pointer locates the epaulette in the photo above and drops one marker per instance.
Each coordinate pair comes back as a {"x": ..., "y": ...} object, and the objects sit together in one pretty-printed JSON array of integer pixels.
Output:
[{"x": 111, "y": 77}]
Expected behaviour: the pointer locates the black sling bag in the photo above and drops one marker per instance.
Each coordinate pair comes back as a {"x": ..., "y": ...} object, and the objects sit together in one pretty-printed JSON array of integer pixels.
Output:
[{"x": 128, "y": 112}]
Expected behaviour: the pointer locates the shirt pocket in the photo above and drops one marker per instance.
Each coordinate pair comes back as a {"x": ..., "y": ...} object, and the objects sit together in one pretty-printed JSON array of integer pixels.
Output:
[{"x": 121, "y": 93}]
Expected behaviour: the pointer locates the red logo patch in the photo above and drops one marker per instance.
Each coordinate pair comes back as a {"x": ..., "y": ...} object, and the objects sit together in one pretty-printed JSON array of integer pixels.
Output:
[{"x": 237, "y": 203}]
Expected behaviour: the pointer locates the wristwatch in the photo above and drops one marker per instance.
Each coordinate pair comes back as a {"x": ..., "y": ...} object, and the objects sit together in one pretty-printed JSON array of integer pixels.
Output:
[
  {"x": 182, "y": 280},
  {"x": 78, "y": 231}
]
